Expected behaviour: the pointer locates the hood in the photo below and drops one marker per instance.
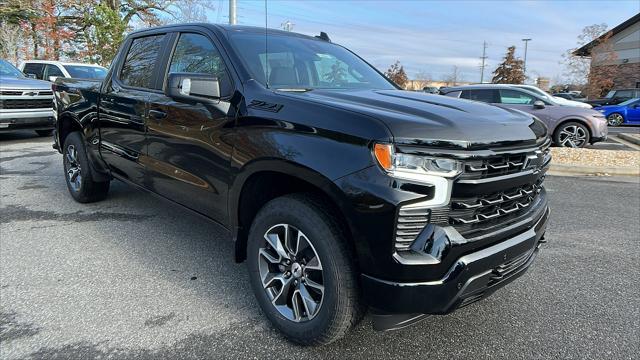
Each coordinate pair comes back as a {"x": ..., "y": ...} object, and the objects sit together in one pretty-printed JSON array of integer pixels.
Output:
[
  {"x": 416, "y": 118},
  {"x": 563, "y": 101},
  {"x": 607, "y": 107},
  {"x": 25, "y": 83}
]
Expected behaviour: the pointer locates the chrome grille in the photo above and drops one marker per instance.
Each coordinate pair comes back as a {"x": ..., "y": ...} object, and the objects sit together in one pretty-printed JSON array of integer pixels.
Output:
[
  {"x": 505, "y": 164},
  {"x": 480, "y": 209}
]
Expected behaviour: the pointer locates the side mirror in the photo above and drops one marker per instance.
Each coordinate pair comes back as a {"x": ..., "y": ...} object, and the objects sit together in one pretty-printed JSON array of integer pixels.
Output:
[
  {"x": 538, "y": 104},
  {"x": 30, "y": 76},
  {"x": 193, "y": 86},
  {"x": 52, "y": 78}
]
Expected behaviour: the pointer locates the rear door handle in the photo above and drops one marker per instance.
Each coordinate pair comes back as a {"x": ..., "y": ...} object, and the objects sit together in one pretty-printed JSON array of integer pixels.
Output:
[{"x": 157, "y": 114}]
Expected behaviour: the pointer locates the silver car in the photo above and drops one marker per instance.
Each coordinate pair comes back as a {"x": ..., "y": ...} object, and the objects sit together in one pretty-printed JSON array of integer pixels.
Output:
[
  {"x": 568, "y": 126},
  {"x": 25, "y": 104}
]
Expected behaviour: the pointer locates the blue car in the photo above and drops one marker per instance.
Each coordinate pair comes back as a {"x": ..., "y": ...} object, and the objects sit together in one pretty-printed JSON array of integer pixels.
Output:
[{"x": 627, "y": 112}]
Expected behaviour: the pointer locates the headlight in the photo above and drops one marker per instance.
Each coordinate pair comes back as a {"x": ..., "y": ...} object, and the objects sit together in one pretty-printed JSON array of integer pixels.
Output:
[{"x": 394, "y": 162}]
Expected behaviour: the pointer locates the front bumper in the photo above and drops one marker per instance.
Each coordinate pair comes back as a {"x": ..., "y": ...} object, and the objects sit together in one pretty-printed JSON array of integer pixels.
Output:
[
  {"x": 37, "y": 119},
  {"x": 472, "y": 277}
]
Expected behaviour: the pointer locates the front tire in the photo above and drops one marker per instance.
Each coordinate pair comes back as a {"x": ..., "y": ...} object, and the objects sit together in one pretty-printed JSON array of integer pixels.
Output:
[
  {"x": 615, "y": 119},
  {"x": 302, "y": 271},
  {"x": 572, "y": 134},
  {"x": 78, "y": 174}
]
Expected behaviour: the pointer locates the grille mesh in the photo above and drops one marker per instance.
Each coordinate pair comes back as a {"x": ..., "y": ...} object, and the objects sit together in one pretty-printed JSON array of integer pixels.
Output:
[{"x": 26, "y": 104}]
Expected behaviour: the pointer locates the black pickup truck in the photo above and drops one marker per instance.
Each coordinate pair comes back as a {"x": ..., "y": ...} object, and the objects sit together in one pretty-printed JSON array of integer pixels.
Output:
[{"x": 341, "y": 192}]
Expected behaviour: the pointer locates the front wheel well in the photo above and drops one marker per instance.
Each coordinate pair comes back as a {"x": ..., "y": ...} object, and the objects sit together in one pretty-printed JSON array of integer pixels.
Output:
[
  {"x": 262, "y": 187},
  {"x": 66, "y": 125}
]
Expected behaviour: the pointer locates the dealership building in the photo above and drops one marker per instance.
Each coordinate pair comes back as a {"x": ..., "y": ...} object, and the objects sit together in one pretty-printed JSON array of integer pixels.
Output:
[{"x": 615, "y": 55}]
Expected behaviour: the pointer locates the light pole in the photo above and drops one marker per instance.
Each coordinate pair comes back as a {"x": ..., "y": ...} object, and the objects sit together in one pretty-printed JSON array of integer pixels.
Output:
[
  {"x": 233, "y": 18},
  {"x": 524, "y": 70}
]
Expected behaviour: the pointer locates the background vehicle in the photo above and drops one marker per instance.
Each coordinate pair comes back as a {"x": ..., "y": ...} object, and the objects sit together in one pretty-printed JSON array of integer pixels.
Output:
[
  {"x": 570, "y": 97},
  {"x": 615, "y": 97},
  {"x": 627, "y": 112},
  {"x": 25, "y": 104},
  {"x": 431, "y": 90},
  {"x": 570, "y": 126},
  {"x": 50, "y": 70},
  {"x": 338, "y": 188},
  {"x": 558, "y": 100}
]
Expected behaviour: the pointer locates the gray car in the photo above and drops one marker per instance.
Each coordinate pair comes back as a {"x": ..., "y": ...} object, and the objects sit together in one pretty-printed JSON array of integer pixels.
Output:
[
  {"x": 25, "y": 104},
  {"x": 569, "y": 126}
]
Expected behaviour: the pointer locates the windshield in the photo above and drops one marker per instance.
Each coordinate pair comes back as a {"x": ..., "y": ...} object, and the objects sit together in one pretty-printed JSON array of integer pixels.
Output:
[
  {"x": 629, "y": 102},
  {"x": 298, "y": 63},
  {"x": 610, "y": 94},
  {"x": 86, "y": 72},
  {"x": 6, "y": 69},
  {"x": 538, "y": 91}
]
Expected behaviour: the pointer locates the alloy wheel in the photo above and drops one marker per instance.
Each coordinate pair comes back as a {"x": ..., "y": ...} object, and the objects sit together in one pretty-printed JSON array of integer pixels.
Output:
[
  {"x": 74, "y": 171},
  {"x": 573, "y": 136},
  {"x": 291, "y": 273},
  {"x": 615, "y": 120}
]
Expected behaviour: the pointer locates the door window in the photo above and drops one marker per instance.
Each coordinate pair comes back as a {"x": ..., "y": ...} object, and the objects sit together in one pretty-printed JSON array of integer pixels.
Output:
[
  {"x": 139, "y": 65},
  {"x": 624, "y": 94},
  {"x": 484, "y": 95},
  {"x": 196, "y": 54},
  {"x": 52, "y": 70},
  {"x": 515, "y": 97},
  {"x": 35, "y": 69}
]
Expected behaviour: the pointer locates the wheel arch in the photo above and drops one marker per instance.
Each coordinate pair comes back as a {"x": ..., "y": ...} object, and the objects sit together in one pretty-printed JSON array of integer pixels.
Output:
[
  {"x": 573, "y": 119},
  {"x": 66, "y": 124},
  {"x": 265, "y": 180}
]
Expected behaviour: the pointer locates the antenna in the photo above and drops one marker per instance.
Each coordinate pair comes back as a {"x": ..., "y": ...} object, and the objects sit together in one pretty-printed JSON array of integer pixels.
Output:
[{"x": 266, "y": 48}]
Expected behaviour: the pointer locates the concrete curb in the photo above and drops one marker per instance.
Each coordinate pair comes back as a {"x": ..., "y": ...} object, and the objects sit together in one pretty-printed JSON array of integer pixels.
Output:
[
  {"x": 630, "y": 138},
  {"x": 569, "y": 170}
]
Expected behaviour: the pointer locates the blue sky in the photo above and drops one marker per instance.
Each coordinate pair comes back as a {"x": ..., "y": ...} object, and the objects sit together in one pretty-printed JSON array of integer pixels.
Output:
[{"x": 433, "y": 36}]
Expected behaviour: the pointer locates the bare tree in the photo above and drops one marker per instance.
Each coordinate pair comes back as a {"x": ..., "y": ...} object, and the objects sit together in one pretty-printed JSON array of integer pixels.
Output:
[
  {"x": 12, "y": 41},
  {"x": 397, "y": 74},
  {"x": 576, "y": 68},
  {"x": 453, "y": 78}
]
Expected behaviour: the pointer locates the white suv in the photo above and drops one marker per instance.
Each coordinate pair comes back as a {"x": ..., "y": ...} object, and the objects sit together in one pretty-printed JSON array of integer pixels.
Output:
[{"x": 50, "y": 70}]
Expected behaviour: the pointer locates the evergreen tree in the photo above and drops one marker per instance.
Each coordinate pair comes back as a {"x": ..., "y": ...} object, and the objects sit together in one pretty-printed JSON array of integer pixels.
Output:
[{"x": 510, "y": 71}]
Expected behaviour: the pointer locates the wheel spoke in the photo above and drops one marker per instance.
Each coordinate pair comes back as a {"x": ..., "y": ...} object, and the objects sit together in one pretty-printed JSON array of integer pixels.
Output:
[
  {"x": 310, "y": 305},
  {"x": 276, "y": 243},
  {"x": 315, "y": 285},
  {"x": 283, "y": 295},
  {"x": 269, "y": 257},
  {"x": 314, "y": 264}
]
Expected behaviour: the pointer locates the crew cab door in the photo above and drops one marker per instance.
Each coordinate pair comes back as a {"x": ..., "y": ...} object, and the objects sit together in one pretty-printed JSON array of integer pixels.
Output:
[
  {"x": 188, "y": 147},
  {"x": 123, "y": 107}
]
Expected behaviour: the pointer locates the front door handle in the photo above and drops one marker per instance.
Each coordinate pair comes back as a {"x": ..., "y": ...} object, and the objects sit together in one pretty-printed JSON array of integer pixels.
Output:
[{"x": 157, "y": 114}]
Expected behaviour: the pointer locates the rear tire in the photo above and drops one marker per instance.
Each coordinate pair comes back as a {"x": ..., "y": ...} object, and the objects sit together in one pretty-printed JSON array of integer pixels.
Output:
[
  {"x": 316, "y": 241},
  {"x": 77, "y": 172},
  {"x": 44, "y": 132},
  {"x": 572, "y": 134}
]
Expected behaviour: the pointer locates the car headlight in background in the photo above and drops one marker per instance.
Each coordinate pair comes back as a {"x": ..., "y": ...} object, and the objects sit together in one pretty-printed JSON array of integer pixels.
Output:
[{"x": 399, "y": 163}]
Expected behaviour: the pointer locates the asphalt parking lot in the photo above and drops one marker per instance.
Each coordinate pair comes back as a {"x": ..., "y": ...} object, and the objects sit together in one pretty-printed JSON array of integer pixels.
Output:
[
  {"x": 615, "y": 143},
  {"x": 136, "y": 277}
]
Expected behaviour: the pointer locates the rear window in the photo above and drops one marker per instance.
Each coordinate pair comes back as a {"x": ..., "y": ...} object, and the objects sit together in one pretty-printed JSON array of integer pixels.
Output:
[
  {"x": 139, "y": 65},
  {"x": 484, "y": 95},
  {"x": 34, "y": 69}
]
